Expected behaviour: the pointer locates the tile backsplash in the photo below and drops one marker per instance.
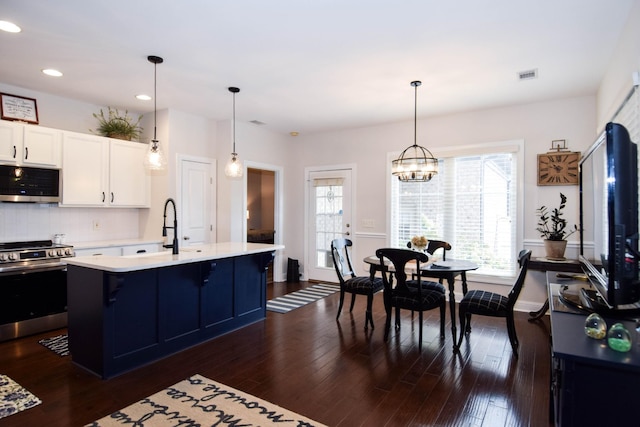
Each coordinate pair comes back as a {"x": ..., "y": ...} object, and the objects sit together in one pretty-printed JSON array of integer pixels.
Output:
[{"x": 34, "y": 221}]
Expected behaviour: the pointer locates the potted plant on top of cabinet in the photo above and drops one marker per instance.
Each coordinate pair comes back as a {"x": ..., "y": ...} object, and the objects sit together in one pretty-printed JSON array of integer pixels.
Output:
[
  {"x": 553, "y": 229},
  {"x": 115, "y": 125}
]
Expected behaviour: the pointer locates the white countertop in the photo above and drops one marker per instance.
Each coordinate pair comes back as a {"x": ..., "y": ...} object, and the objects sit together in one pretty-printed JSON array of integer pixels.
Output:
[
  {"x": 189, "y": 254},
  {"x": 109, "y": 243}
]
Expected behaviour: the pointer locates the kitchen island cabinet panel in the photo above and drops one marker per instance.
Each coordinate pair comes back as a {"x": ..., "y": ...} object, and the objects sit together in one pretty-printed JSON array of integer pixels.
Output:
[
  {"x": 180, "y": 299},
  {"x": 217, "y": 296},
  {"x": 250, "y": 301},
  {"x": 85, "y": 298},
  {"x": 133, "y": 313},
  {"x": 119, "y": 321}
]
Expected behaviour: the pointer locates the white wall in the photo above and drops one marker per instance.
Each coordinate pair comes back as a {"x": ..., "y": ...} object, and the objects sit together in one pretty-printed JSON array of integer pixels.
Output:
[
  {"x": 537, "y": 124},
  {"x": 624, "y": 62},
  {"x": 179, "y": 133}
]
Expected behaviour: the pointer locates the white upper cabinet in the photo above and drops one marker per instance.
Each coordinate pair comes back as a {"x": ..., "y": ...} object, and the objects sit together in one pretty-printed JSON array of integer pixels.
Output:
[
  {"x": 10, "y": 141},
  {"x": 98, "y": 171},
  {"x": 129, "y": 181},
  {"x": 29, "y": 145},
  {"x": 85, "y": 170}
]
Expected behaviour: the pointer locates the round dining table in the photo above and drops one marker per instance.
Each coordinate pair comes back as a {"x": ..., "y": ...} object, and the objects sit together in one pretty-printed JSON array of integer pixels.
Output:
[{"x": 447, "y": 270}]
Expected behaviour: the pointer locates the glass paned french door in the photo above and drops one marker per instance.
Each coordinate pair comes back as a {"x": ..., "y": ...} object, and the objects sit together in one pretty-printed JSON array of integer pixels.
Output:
[{"x": 329, "y": 218}]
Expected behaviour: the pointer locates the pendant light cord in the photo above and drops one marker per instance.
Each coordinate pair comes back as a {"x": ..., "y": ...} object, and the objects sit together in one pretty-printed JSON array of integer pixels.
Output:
[
  {"x": 155, "y": 105},
  {"x": 234, "y": 90},
  {"x": 415, "y": 85},
  {"x": 155, "y": 60}
]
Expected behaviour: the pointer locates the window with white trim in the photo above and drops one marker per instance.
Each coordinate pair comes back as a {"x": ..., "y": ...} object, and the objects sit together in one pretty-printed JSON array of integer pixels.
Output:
[{"x": 472, "y": 203}]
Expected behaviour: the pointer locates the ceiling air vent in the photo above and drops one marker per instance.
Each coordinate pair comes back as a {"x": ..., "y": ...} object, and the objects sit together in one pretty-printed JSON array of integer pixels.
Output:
[
  {"x": 257, "y": 122},
  {"x": 528, "y": 75}
]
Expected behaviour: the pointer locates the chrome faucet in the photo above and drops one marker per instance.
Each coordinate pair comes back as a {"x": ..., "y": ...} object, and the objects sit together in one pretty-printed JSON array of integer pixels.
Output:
[{"x": 174, "y": 245}]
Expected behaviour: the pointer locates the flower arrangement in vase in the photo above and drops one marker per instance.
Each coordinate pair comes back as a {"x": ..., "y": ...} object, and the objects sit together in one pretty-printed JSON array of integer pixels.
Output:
[
  {"x": 553, "y": 229},
  {"x": 419, "y": 242}
]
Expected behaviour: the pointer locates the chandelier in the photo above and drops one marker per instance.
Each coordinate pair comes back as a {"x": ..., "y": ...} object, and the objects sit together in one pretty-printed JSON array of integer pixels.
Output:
[{"x": 416, "y": 163}]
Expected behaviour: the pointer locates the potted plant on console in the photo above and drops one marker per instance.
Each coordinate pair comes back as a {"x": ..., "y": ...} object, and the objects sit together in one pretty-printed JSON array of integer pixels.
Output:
[
  {"x": 115, "y": 125},
  {"x": 553, "y": 229}
]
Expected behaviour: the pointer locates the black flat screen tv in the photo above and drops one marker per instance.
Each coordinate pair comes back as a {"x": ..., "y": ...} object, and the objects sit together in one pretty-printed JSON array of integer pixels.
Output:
[{"x": 609, "y": 218}]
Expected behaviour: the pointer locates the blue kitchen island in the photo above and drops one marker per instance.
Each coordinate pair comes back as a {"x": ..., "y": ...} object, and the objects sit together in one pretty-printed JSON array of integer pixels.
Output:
[{"x": 128, "y": 311}]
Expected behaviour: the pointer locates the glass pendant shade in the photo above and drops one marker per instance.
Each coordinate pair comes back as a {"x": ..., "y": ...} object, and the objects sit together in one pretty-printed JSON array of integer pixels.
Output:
[
  {"x": 416, "y": 163},
  {"x": 234, "y": 167},
  {"x": 155, "y": 159}
]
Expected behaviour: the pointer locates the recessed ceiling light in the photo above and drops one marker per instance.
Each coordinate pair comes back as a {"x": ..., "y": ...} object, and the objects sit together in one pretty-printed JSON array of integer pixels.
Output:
[
  {"x": 51, "y": 72},
  {"x": 143, "y": 97},
  {"x": 9, "y": 27}
]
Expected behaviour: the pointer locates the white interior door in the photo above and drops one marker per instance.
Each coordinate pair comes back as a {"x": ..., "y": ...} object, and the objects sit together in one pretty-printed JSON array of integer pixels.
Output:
[
  {"x": 196, "y": 201},
  {"x": 330, "y": 210}
]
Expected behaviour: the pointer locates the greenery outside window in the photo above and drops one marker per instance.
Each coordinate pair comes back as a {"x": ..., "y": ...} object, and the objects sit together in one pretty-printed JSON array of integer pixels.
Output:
[{"x": 474, "y": 203}]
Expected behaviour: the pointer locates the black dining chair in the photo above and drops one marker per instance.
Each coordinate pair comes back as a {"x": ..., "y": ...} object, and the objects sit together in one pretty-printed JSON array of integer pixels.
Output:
[
  {"x": 350, "y": 282},
  {"x": 492, "y": 304},
  {"x": 409, "y": 295}
]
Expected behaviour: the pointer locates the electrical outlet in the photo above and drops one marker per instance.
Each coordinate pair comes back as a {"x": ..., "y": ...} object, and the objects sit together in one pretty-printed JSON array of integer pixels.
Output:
[{"x": 96, "y": 224}]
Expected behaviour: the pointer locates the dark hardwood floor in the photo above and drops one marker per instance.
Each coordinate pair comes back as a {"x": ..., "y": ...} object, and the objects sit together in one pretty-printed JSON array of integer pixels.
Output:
[{"x": 332, "y": 372}]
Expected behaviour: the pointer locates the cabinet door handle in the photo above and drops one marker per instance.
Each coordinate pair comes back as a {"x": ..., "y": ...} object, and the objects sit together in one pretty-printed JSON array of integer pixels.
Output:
[
  {"x": 26, "y": 153},
  {"x": 15, "y": 151},
  {"x": 103, "y": 197},
  {"x": 112, "y": 197},
  {"x": 186, "y": 237}
]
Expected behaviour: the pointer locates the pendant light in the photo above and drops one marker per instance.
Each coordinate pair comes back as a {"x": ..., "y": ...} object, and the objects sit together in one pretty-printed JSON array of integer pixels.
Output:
[
  {"x": 234, "y": 168},
  {"x": 416, "y": 163},
  {"x": 155, "y": 159}
]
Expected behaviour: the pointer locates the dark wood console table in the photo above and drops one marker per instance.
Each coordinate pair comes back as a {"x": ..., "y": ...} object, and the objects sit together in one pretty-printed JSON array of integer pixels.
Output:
[{"x": 543, "y": 264}]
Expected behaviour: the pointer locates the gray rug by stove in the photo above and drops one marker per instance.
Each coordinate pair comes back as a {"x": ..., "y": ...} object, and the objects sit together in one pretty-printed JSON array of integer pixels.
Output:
[
  {"x": 199, "y": 401},
  {"x": 14, "y": 398},
  {"x": 297, "y": 299},
  {"x": 58, "y": 344}
]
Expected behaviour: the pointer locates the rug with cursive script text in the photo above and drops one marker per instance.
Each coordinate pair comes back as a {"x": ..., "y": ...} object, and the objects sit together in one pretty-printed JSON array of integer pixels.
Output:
[{"x": 199, "y": 401}]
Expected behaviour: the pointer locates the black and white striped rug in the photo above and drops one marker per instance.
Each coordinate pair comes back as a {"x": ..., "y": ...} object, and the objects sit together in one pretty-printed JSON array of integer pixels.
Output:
[
  {"x": 300, "y": 298},
  {"x": 57, "y": 344}
]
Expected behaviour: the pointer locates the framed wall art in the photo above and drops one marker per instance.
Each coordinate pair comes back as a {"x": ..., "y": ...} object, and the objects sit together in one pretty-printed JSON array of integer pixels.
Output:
[{"x": 19, "y": 108}]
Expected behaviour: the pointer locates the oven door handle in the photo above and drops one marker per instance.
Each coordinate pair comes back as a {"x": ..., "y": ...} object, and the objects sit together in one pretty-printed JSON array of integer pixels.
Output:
[{"x": 21, "y": 269}]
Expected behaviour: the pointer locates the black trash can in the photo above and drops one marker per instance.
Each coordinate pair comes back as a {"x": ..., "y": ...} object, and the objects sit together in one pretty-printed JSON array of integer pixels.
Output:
[{"x": 293, "y": 271}]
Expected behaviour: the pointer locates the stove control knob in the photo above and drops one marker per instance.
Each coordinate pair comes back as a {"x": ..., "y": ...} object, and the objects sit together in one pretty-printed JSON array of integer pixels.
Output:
[
  {"x": 68, "y": 252},
  {"x": 12, "y": 256},
  {"x": 3, "y": 257},
  {"x": 51, "y": 253},
  {"x": 60, "y": 252}
]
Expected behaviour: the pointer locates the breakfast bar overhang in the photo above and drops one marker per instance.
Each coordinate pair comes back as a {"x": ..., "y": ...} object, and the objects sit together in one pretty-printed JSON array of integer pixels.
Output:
[{"x": 127, "y": 311}]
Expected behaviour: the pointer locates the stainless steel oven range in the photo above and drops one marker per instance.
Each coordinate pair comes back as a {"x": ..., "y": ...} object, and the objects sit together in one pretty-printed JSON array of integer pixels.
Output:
[{"x": 33, "y": 287}]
